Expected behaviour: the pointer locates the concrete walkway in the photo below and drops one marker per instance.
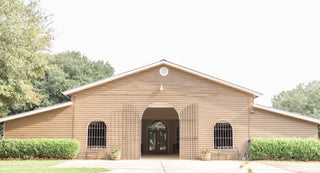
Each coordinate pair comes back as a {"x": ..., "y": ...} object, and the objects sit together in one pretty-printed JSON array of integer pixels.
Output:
[
  {"x": 303, "y": 167},
  {"x": 169, "y": 165}
]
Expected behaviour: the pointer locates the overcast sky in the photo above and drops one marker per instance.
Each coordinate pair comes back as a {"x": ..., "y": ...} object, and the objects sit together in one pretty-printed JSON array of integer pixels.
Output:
[{"x": 268, "y": 46}]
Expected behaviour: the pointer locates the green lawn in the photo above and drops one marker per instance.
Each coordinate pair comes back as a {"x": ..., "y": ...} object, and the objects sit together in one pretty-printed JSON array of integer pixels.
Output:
[{"x": 42, "y": 166}]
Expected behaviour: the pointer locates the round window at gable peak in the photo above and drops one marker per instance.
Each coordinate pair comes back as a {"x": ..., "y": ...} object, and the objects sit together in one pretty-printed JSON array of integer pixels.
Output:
[{"x": 164, "y": 71}]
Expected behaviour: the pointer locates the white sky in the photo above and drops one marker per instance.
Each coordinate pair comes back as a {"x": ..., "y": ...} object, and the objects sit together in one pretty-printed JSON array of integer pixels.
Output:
[{"x": 268, "y": 46}]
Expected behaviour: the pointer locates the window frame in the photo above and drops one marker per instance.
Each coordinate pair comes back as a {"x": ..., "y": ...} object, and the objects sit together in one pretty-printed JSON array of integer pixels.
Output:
[
  {"x": 87, "y": 138},
  {"x": 214, "y": 137}
]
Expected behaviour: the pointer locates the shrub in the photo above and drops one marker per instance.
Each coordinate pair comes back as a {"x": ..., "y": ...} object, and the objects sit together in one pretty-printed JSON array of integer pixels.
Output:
[
  {"x": 285, "y": 149},
  {"x": 39, "y": 148}
]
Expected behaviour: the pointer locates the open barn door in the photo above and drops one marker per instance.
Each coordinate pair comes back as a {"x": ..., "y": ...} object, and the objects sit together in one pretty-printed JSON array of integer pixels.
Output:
[
  {"x": 189, "y": 132},
  {"x": 130, "y": 133},
  {"x": 125, "y": 132}
]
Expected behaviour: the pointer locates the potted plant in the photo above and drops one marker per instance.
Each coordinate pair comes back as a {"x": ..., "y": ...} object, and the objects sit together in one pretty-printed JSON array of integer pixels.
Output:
[
  {"x": 115, "y": 154},
  {"x": 205, "y": 155}
]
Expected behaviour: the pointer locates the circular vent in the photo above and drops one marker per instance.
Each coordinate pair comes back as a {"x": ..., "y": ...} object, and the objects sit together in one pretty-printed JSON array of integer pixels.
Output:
[{"x": 163, "y": 71}]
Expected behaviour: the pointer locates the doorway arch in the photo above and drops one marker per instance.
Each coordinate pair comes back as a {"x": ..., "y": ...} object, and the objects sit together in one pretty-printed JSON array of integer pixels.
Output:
[{"x": 160, "y": 130}]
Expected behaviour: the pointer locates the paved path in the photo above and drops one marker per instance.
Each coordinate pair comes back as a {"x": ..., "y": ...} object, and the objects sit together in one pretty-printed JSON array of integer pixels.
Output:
[
  {"x": 300, "y": 167},
  {"x": 192, "y": 166}
]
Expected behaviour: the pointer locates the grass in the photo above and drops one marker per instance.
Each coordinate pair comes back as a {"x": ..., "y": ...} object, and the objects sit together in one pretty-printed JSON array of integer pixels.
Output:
[{"x": 42, "y": 166}]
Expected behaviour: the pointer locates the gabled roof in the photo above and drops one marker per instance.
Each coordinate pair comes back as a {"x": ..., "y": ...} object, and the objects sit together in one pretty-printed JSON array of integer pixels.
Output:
[
  {"x": 286, "y": 113},
  {"x": 162, "y": 62},
  {"x": 25, "y": 114}
]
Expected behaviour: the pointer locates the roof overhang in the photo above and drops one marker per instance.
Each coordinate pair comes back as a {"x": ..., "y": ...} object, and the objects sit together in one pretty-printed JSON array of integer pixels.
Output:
[
  {"x": 289, "y": 114},
  {"x": 162, "y": 62},
  {"x": 37, "y": 111}
]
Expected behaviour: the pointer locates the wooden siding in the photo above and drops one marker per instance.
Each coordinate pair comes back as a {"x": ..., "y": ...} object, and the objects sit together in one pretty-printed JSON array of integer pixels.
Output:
[
  {"x": 216, "y": 102},
  {"x": 52, "y": 124},
  {"x": 267, "y": 124}
]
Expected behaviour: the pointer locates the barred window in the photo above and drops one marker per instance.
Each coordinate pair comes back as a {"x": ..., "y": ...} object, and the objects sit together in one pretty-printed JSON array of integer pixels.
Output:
[
  {"x": 223, "y": 135},
  {"x": 97, "y": 135}
]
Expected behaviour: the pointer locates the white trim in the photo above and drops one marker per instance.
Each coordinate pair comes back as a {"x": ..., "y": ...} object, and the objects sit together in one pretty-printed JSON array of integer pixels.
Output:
[
  {"x": 162, "y": 62},
  {"x": 223, "y": 82},
  {"x": 100, "y": 82},
  {"x": 164, "y": 71},
  {"x": 160, "y": 105},
  {"x": 37, "y": 111},
  {"x": 289, "y": 114}
]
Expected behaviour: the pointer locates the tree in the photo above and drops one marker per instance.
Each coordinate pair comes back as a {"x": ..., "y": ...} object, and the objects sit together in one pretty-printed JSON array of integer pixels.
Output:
[
  {"x": 72, "y": 70},
  {"x": 69, "y": 70},
  {"x": 1, "y": 131},
  {"x": 25, "y": 37},
  {"x": 304, "y": 99}
]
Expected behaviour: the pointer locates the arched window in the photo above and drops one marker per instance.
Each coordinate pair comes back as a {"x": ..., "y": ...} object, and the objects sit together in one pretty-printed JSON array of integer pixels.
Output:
[
  {"x": 157, "y": 125},
  {"x": 97, "y": 135},
  {"x": 223, "y": 135}
]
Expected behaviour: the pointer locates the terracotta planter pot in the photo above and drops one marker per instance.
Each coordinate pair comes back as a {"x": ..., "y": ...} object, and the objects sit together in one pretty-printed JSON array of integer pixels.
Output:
[
  {"x": 205, "y": 157},
  {"x": 113, "y": 157}
]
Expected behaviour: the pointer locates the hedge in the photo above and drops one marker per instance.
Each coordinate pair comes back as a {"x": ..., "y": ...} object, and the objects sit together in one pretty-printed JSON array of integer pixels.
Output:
[
  {"x": 39, "y": 148},
  {"x": 285, "y": 149}
]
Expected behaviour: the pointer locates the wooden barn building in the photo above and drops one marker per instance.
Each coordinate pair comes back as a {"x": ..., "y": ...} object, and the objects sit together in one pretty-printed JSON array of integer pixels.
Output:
[{"x": 161, "y": 108}]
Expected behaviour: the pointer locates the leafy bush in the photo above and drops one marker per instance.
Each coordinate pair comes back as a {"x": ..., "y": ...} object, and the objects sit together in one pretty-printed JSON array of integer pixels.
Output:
[
  {"x": 39, "y": 148},
  {"x": 285, "y": 149}
]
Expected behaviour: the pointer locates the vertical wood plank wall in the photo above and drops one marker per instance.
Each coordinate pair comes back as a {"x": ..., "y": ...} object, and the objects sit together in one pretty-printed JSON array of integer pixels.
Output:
[{"x": 180, "y": 89}]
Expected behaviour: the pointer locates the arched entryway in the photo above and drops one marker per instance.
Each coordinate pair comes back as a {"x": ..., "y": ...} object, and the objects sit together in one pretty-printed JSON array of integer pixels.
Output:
[{"x": 160, "y": 131}]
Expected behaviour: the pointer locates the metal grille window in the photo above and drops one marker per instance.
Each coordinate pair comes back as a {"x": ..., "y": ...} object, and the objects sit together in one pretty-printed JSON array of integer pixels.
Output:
[
  {"x": 97, "y": 135},
  {"x": 223, "y": 135}
]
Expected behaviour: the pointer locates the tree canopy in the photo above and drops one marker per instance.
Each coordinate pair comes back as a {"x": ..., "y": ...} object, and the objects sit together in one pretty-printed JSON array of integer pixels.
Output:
[
  {"x": 70, "y": 69},
  {"x": 304, "y": 99},
  {"x": 25, "y": 37},
  {"x": 29, "y": 76}
]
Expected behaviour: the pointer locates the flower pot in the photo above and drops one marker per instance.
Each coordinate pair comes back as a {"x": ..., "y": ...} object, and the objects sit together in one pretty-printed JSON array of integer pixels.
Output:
[
  {"x": 205, "y": 157},
  {"x": 114, "y": 157}
]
